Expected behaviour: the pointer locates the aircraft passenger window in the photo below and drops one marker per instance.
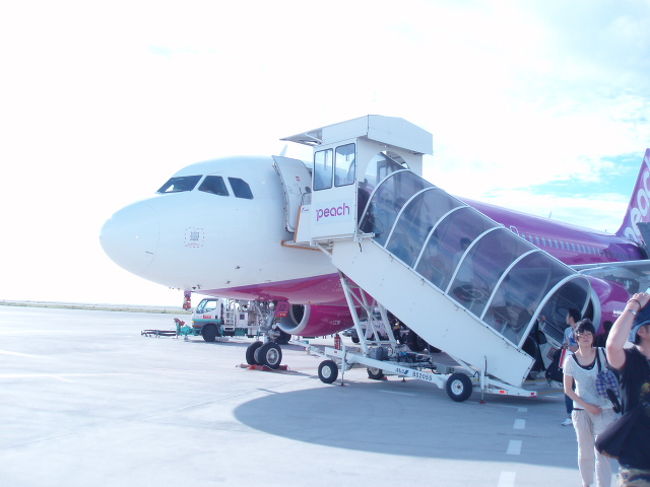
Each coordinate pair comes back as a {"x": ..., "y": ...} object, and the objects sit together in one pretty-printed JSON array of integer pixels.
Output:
[
  {"x": 241, "y": 188},
  {"x": 345, "y": 165},
  {"x": 323, "y": 169},
  {"x": 214, "y": 185},
  {"x": 179, "y": 184}
]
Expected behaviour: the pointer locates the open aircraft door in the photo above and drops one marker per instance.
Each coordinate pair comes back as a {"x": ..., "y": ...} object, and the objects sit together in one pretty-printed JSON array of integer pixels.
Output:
[{"x": 296, "y": 182}]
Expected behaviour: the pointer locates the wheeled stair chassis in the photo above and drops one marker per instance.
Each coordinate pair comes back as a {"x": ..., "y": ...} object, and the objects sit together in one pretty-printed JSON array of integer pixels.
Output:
[{"x": 387, "y": 357}]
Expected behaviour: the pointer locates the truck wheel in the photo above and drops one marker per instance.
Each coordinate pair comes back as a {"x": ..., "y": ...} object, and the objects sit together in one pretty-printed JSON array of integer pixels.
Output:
[
  {"x": 250, "y": 353},
  {"x": 375, "y": 373},
  {"x": 459, "y": 387},
  {"x": 270, "y": 354},
  {"x": 328, "y": 371},
  {"x": 209, "y": 332}
]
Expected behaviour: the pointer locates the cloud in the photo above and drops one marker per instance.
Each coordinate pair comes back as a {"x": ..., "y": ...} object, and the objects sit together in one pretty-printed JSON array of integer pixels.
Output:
[{"x": 101, "y": 103}]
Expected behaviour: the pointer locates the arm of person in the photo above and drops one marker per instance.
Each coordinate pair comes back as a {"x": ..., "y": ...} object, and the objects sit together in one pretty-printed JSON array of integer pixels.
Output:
[
  {"x": 621, "y": 330},
  {"x": 568, "y": 390}
]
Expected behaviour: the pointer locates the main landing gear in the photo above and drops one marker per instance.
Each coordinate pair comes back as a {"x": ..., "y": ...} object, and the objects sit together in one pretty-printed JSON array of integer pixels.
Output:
[{"x": 260, "y": 353}]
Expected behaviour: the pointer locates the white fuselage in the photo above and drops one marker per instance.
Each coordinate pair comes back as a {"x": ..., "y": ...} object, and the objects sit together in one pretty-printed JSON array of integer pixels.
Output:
[{"x": 196, "y": 240}]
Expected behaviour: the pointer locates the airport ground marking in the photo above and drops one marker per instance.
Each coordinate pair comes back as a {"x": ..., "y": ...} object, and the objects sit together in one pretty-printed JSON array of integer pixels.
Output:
[
  {"x": 399, "y": 393},
  {"x": 19, "y": 354},
  {"x": 520, "y": 424},
  {"x": 514, "y": 447},
  {"x": 506, "y": 479}
]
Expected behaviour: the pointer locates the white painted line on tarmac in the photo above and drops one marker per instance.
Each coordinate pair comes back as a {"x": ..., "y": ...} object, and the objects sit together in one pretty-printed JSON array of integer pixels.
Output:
[
  {"x": 65, "y": 377},
  {"x": 520, "y": 424},
  {"x": 506, "y": 479},
  {"x": 18, "y": 354},
  {"x": 399, "y": 393},
  {"x": 522, "y": 410},
  {"x": 514, "y": 447}
]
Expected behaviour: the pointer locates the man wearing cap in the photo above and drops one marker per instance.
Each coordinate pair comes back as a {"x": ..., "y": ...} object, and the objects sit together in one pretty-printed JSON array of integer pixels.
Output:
[{"x": 633, "y": 365}]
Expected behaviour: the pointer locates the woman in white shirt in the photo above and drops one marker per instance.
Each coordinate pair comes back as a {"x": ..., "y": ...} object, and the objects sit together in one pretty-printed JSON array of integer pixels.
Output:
[{"x": 591, "y": 413}]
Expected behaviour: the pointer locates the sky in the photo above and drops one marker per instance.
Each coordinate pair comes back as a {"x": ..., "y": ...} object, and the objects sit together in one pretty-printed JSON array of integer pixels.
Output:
[{"x": 542, "y": 106}]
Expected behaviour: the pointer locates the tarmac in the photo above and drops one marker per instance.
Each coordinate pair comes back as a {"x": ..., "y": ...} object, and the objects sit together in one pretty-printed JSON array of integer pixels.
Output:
[{"x": 86, "y": 400}]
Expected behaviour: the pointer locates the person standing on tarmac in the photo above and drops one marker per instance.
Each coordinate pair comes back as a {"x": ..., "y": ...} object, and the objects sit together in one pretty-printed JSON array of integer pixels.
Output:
[
  {"x": 570, "y": 344},
  {"x": 591, "y": 413},
  {"x": 633, "y": 365}
]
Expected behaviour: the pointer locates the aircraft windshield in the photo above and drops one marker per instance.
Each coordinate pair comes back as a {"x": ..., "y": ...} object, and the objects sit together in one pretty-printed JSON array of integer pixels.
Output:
[{"x": 179, "y": 184}]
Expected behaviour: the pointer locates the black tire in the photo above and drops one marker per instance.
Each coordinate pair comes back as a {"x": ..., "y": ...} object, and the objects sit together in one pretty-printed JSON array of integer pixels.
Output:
[
  {"x": 355, "y": 338},
  {"x": 459, "y": 387},
  {"x": 283, "y": 338},
  {"x": 270, "y": 354},
  {"x": 209, "y": 332},
  {"x": 250, "y": 353},
  {"x": 375, "y": 374},
  {"x": 328, "y": 371}
]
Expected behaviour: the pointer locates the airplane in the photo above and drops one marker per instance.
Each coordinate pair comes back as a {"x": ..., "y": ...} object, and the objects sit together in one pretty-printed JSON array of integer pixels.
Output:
[{"x": 228, "y": 227}]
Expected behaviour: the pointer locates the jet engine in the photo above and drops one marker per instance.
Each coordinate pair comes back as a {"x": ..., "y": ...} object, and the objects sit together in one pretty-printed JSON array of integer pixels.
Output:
[{"x": 310, "y": 320}]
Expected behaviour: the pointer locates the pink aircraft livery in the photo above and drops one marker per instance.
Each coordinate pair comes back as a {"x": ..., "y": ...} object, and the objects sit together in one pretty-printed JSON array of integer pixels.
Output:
[{"x": 291, "y": 233}]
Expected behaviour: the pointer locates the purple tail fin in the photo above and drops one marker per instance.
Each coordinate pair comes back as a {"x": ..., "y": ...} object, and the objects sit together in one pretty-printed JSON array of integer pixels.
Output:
[{"x": 639, "y": 207}]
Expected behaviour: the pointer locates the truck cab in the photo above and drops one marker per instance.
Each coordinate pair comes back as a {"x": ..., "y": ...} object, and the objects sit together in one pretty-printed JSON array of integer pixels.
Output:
[{"x": 208, "y": 317}]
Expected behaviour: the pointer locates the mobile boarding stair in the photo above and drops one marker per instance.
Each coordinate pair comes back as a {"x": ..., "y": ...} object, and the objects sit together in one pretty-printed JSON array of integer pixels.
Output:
[{"x": 461, "y": 281}]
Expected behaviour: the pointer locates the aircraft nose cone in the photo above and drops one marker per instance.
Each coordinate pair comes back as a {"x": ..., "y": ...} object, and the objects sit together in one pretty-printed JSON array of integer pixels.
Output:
[{"x": 130, "y": 237}]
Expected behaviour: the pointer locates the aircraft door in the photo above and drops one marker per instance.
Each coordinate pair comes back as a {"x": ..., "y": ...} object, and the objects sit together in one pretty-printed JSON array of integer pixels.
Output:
[
  {"x": 334, "y": 201},
  {"x": 296, "y": 182}
]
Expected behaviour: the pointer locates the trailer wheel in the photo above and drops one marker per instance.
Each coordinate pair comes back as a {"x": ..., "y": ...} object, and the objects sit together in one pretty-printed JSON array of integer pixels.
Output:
[
  {"x": 355, "y": 339},
  {"x": 250, "y": 352},
  {"x": 209, "y": 332},
  {"x": 459, "y": 387},
  {"x": 328, "y": 371},
  {"x": 375, "y": 373},
  {"x": 270, "y": 354}
]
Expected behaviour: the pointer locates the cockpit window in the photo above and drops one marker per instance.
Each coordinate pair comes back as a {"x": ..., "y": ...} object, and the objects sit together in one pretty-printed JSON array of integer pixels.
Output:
[
  {"x": 241, "y": 188},
  {"x": 179, "y": 184},
  {"x": 214, "y": 185}
]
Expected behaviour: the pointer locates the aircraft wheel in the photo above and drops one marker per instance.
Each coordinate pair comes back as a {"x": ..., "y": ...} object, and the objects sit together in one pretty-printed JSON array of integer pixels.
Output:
[
  {"x": 328, "y": 371},
  {"x": 270, "y": 354},
  {"x": 209, "y": 332},
  {"x": 251, "y": 353},
  {"x": 375, "y": 373},
  {"x": 459, "y": 387},
  {"x": 355, "y": 339}
]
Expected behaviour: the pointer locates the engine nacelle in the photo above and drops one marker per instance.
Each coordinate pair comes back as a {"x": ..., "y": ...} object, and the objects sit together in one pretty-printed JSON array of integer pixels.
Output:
[{"x": 312, "y": 321}]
